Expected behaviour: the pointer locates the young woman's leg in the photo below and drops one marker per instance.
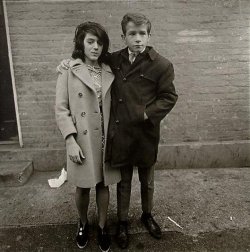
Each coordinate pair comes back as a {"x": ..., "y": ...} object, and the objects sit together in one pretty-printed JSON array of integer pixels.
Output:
[
  {"x": 102, "y": 201},
  {"x": 82, "y": 203}
]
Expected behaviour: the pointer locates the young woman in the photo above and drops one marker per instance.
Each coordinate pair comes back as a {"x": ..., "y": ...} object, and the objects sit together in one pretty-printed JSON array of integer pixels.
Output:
[{"x": 82, "y": 114}]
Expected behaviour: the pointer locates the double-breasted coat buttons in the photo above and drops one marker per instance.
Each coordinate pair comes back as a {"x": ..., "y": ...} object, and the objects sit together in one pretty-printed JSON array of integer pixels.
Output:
[
  {"x": 83, "y": 114},
  {"x": 80, "y": 95},
  {"x": 85, "y": 132}
]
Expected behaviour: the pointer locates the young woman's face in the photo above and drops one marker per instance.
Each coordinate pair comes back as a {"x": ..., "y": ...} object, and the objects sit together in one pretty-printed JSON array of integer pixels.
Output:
[{"x": 92, "y": 48}]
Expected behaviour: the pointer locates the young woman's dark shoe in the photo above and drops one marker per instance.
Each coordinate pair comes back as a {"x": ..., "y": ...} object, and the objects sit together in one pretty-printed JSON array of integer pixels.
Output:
[
  {"x": 82, "y": 236},
  {"x": 103, "y": 239}
]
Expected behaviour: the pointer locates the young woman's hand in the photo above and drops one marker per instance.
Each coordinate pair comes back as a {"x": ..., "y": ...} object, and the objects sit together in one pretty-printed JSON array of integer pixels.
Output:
[
  {"x": 64, "y": 64},
  {"x": 74, "y": 150}
]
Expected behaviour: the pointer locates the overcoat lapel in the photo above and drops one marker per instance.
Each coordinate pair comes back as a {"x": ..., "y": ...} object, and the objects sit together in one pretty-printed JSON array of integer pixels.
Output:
[
  {"x": 81, "y": 71},
  {"x": 134, "y": 67},
  {"x": 107, "y": 79}
]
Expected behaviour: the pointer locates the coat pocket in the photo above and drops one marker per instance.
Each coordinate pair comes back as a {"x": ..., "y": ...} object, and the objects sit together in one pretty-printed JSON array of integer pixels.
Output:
[
  {"x": 94, "y": 121},
  {"x": 95, "y": 132},
  {"x": 149, "y": 77}
]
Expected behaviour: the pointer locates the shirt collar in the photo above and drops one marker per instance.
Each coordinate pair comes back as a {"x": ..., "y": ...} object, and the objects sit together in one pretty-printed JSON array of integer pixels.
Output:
[{"x": 129, "y": 51}]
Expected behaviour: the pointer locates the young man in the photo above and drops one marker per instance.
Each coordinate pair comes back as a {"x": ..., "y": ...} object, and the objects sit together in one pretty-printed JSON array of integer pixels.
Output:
[{"x": 143, "y": 93}]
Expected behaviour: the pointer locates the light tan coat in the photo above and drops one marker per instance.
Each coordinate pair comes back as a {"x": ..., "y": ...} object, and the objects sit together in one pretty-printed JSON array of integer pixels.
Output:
[{"x": 77, "y": 112}]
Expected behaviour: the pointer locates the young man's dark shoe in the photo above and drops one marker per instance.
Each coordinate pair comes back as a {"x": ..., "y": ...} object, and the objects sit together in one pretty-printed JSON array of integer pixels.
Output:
[
  {"x": 82, "y": 235},
  {"x": 122, "y": 234},
  {"x": 151, "y": 225},
  {"x": 103, "y": 239}
]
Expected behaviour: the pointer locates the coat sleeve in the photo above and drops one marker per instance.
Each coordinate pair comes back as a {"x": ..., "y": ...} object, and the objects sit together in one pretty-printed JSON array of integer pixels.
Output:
[
  {"x": 166, "y": 97},
  {"x": 62, "y": 109}
]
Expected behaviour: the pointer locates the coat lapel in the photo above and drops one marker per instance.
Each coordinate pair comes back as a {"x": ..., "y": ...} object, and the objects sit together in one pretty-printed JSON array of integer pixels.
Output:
[
  {"x": 107, "y": 79},
  {"x": 81, "y": 71}
]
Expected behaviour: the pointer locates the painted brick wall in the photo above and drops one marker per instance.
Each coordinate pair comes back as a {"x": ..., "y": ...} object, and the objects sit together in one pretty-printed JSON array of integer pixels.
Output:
[{"x": 207, "y": 41}]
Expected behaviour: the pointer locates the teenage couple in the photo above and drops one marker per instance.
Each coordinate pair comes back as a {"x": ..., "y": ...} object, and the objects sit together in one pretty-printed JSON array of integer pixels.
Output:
[{"x": 108, "y": 109}]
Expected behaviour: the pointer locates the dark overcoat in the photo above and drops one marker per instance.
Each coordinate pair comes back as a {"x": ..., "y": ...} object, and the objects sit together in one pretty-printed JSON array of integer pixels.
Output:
[{"x": 146, "y": 86}]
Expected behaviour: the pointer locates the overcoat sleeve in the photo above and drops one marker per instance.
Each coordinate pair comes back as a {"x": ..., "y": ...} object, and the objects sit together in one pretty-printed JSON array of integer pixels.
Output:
[
  {"x": 166, "y": 97},
  {"x": 62, "y": 108}
]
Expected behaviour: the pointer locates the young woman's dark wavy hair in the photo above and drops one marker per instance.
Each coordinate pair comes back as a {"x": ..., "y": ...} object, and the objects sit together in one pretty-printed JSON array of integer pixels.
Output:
[{"x": 96, "y": 30}]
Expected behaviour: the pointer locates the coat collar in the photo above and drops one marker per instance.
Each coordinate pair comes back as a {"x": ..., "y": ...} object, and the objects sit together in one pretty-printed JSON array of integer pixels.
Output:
[
  {"x": 152, "y": 53},
  {"x": 80, "y": 70},
  {"x": 149, "y": 50},
  {"x": 107, "y": 79}
]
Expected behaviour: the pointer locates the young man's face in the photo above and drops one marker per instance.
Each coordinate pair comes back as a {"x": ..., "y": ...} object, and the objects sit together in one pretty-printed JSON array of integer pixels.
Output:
[{"x": 136, "y": 37}]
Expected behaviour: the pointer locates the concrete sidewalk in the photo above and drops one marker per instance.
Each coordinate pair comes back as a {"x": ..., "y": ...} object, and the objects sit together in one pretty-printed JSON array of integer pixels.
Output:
[{"x": 211, "y": 205}]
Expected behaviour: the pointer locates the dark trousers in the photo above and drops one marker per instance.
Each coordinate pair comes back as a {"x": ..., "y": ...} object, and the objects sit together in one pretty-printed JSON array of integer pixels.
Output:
[{"x": 146, "y": 177}]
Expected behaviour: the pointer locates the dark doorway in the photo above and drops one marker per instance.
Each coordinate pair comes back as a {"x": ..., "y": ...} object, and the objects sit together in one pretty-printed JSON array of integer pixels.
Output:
[{"x": 8, "y": 125}]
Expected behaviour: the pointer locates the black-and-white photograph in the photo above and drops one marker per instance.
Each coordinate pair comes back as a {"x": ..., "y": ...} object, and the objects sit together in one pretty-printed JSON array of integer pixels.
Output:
[{"x": 125, "y": 125}]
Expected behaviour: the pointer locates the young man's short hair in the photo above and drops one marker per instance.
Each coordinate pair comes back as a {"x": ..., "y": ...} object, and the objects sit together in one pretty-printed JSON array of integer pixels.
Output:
[{"x": 137, "y": 19}]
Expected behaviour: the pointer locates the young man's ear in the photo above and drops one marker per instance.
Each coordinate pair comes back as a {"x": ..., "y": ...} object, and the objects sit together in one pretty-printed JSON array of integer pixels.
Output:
[{"x": 123, "y": 39}]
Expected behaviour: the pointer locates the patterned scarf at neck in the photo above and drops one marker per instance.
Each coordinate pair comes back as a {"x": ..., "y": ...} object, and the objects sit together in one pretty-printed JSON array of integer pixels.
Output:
[
  {"x": 95, "y": 72},
  {"x": 96, "y": 75},
  {"x": 94, "y": 68}
]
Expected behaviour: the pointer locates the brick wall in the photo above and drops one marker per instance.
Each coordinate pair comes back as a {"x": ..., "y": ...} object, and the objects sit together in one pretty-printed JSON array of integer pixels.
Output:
[{"x": 207, "y": 41}]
